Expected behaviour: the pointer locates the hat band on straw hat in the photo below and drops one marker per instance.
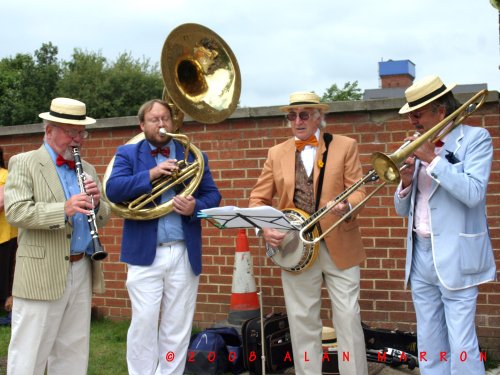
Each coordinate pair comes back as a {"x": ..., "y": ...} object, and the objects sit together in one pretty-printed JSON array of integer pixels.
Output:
[
  {"x": 427, "y": 97},
  {"x": 67, "y": 116},
  {"x": 303, "y": 103}
]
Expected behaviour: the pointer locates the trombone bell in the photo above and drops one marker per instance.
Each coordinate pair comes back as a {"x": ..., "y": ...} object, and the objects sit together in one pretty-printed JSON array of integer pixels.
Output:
[{"x": 385, "y": 167}]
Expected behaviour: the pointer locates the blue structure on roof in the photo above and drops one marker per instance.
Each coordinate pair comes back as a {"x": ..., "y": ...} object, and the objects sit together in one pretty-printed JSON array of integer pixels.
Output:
[{"x": 396, "y": 67}]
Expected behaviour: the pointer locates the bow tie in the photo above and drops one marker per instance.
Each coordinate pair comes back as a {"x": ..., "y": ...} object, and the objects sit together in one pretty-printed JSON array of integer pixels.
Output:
[
  {"x": 164, "y": 151},
  {"x": 311, "y": 141},
  {"x": 61, "y": 161}
]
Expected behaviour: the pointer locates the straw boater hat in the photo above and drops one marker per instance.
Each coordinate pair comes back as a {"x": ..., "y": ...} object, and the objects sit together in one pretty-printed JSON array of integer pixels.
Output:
[
  {"x": 423, "y": 92},
  {"x": 328, "y": 336},
  {"x": 67, "y": 111},
  {"x": 304, "y": 99}
]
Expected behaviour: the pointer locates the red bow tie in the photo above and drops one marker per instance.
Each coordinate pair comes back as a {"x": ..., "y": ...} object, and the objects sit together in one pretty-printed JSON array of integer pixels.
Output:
[
  {"x": 164, "y": 151},
  {"x": 439, "y": 143},
  {"x": 311, "y": 141},
  {"x": 61, "y": 161}
]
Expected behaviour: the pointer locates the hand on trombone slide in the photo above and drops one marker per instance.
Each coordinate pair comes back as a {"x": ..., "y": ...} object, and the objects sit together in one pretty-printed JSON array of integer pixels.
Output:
[{"x": 340, "y": 209}]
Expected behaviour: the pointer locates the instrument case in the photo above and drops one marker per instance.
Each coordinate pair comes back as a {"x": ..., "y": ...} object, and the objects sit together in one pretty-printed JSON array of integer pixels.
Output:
[
  {"x": 380, "y": 338},
  {"x": 277, "y": 341}
]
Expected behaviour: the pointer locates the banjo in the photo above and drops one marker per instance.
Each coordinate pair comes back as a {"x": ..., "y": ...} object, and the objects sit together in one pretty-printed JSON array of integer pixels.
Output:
[{"x": 294, "y": 255}]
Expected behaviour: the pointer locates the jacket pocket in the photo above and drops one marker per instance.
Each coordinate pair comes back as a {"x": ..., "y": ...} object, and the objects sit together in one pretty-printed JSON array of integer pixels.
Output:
[
  {"x": 474, "y": 252},
  {"x": 31, "y": 251}
]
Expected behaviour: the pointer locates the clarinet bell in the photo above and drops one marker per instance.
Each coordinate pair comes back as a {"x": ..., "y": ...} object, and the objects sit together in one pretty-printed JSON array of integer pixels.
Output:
[{"x": 99, "y": 255}]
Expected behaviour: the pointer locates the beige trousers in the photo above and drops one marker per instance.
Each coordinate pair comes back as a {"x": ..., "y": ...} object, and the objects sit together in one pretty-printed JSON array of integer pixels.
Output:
[{"x": 303, "y": 303}]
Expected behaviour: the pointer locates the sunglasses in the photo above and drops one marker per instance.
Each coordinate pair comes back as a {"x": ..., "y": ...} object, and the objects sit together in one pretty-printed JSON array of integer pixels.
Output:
[{"x": 304, "y": 116}]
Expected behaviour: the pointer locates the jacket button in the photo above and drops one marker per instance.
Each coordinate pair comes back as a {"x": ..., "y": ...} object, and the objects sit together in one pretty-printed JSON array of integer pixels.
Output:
[
  {"x": 66, "y": 257},
  {"x": 68, "y": 236}
]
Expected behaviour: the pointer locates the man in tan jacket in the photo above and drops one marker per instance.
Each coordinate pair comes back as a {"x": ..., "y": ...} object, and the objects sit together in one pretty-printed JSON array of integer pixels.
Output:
[
  {"x": 54, "y": 275},
  {"x": 291, "y": 173}
]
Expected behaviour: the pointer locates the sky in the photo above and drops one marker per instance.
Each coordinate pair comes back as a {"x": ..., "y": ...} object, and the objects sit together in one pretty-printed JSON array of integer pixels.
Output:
[{"x": 281, "y": 46}]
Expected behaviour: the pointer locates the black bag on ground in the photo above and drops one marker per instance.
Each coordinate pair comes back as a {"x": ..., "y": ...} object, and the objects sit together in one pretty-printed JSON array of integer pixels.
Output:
[
  {"x": 277, "y": 341},
  {"x": 215, "y": 351}
]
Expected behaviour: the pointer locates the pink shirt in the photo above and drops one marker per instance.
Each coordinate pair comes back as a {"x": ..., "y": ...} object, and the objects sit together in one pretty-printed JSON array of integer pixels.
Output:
[{"x": 421, "y": 220}]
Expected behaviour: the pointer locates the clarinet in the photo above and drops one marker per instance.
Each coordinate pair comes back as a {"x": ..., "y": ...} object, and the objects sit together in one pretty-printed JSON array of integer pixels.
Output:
[{"x": 99, "y": 253}]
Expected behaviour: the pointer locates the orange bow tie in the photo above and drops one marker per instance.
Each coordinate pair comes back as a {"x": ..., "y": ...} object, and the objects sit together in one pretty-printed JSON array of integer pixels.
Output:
[{"x": 311, "y": 141}]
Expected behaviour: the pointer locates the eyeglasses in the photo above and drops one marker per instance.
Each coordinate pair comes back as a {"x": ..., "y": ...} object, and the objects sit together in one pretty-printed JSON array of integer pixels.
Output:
[
  {"x": 73, "y": 133},
  {"x": 419, "y": 113},
  {"x": 157, "y": 120},
  {"x": 304, "y": 116}
]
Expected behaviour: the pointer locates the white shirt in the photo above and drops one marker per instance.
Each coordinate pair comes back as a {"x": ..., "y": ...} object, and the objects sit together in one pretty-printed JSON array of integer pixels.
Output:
[{"x": 308, "y": 155}]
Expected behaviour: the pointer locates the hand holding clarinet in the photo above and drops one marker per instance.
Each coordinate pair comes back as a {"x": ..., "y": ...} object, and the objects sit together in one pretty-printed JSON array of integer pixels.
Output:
[{"x": 85, "y": 202}]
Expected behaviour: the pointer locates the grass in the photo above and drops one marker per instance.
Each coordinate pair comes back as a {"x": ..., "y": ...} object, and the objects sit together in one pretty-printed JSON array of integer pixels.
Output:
[
  {"x": 4, "y": 344},
  {"x": 108, "y": 341},
  {"x": 107, "y": 348}
]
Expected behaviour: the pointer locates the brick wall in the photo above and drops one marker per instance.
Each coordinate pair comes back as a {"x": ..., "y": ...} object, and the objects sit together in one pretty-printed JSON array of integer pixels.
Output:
[
  {"x": 237, "y": 149},
  {"x": 397, "y": 80}
]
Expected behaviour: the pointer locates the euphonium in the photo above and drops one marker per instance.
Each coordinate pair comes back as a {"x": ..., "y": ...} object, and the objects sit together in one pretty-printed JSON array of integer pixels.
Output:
[
  {"x": 99, "y": 253},
  {"x": 202, "y": 79}
]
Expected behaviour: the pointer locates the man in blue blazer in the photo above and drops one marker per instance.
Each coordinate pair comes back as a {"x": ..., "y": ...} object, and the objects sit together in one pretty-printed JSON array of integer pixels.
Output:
[
  {"x": 449, "y": 253},
  {"x": 163, "y": 254}
]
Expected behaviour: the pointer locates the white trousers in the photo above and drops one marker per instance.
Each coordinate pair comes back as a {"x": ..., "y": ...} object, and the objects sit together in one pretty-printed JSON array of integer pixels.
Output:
[
  {"x": 303, "y": 303},
  {"x": 446, "y": 333},
  {"x": 164, "y": 291},
  {"x": 53, "y": 334}
]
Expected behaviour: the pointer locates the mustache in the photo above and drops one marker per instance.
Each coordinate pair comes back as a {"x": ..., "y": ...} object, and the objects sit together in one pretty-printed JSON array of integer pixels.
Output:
[{"x": 68, "y": 154}]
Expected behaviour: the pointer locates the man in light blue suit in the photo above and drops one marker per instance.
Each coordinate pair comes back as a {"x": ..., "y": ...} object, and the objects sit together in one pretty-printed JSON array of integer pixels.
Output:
[
  {"x": 163, "y": 254},
  {"x": 449, "y": 253}
]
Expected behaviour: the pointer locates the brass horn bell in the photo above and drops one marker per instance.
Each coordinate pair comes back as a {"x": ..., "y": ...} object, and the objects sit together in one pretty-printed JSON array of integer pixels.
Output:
[{"x": 202, "y": 79}]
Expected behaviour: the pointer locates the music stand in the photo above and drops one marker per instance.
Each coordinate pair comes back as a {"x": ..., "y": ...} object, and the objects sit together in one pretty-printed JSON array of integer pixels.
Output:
[{"x": 256, "y": 217}]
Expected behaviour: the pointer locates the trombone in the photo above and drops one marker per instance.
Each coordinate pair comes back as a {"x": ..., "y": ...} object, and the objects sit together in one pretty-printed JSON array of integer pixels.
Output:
[{"x": 388, "y": 167}]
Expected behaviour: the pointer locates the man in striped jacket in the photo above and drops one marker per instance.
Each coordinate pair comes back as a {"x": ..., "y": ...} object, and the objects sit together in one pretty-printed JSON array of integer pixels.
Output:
[{"x": 54, "y": 274}]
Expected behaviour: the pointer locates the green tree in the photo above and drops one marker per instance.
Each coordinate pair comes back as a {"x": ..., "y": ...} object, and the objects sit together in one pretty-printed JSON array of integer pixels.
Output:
[
  {"x": 25, "y": 85},
  {"x": 81, "y": 78},
  {"x": 109, "y": 89},
  {"x": 128, "y": 83},
  {"x": 350, "y": 91},
  {"x": 28, "y": 84},
  {"x": 48, "y": 73}
]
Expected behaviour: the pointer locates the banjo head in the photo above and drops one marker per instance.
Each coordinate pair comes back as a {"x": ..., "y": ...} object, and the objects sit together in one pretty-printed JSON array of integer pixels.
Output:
[{"x": 293, "y": 255}]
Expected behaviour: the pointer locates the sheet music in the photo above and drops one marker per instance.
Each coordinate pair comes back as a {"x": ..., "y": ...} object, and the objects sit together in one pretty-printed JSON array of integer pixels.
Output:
[{"x": 235, "y": 217}]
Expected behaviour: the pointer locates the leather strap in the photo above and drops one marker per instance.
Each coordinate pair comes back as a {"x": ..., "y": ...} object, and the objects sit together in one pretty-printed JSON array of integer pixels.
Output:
[{"x": 327, "y": 138}]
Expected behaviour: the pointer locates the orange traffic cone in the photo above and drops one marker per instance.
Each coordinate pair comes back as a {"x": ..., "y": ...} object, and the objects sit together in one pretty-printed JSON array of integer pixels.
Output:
[{"x": 244, "y": 299}]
